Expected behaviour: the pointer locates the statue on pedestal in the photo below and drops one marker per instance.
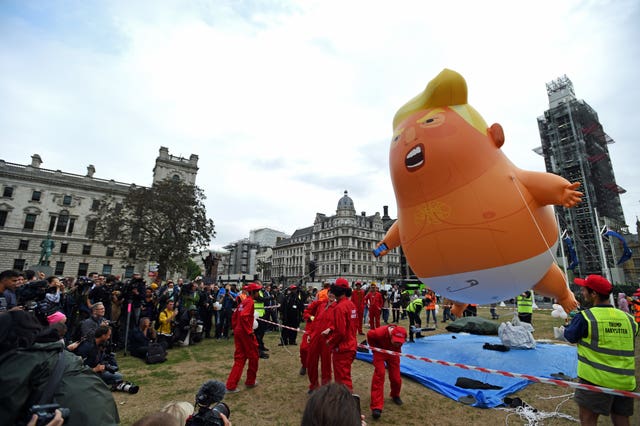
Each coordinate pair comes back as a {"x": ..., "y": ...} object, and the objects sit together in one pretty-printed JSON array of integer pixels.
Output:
[
  {"x": 47, "y": 246},
  {"x": 208, "y": 264}
]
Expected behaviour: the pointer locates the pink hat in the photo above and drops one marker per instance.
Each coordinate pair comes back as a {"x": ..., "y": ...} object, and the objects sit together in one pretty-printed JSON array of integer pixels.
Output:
[{"x": 56, "y": 317}]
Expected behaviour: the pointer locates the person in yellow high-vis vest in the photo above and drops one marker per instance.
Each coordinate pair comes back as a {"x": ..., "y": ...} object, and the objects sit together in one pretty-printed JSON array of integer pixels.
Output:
[
  {"x": 525, "y": 306},
  {"x": 606, "y": 346}
]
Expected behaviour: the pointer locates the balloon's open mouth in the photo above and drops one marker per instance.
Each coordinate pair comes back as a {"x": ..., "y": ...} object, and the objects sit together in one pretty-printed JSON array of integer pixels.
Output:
[{"x": 415, "y": 158}]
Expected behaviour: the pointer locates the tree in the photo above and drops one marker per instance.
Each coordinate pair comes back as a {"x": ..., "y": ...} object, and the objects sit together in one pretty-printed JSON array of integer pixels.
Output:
[
  {"x": 192, "y": 270},
  {"x": 164, "y": 223}
]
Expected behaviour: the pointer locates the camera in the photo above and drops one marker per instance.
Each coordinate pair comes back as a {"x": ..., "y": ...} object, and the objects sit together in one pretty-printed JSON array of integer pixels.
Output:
[
  {"x": 110, "y": 368},
  {"x": 126, "y": 387},
  {"x": 209, "y": 416},
  {"x": 46, "y": 413},
  {"x": 211, "y": 392}
]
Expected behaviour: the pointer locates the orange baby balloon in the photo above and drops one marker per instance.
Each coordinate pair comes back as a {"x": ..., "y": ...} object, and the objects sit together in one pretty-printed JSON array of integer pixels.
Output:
[{"x": 473, "y": 226}]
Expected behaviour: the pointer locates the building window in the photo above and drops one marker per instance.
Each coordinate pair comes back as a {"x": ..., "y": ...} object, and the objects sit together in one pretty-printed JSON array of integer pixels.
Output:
[
  {"x": 7, "y": 192},
  {"x": 91, "y": 228},
  {"x": 30, "y": 221},
  {"x": 106, "y": 269},
  {"x": 176, "y": 178},
  {"x": 66, "y": 200},
  {"x": 62, "y": 223},
  {"x": 64, "y": 247},
  {"x": 63, "y": 220},
  {"x": 59, "y": 268},
  {"x": 110, "y": 251},
  {"x": 128, "y": 271},
  {"x": 18, "y": 264},
  {"x": 35, "y": 195},
  {"x": 95, "y": 205},
  {"x": 86, "y": 249},
  {"x": 83, "y": 268},
  {"x": 23, "y": 245},
  {"x": 3, "y": 217}
]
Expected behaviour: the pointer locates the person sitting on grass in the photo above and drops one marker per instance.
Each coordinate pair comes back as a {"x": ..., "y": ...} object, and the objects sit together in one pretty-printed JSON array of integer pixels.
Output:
[
  {"x": 141, "y": 337},
  {"x": 96, "y": 355}
]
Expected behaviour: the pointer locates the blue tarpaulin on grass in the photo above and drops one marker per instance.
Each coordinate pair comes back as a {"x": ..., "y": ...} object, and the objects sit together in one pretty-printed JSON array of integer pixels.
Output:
[{"x": 543, "y": 361}]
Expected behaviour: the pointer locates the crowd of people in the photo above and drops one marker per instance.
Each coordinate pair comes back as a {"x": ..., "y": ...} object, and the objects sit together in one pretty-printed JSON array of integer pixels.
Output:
[{"x": 93, "y": 316}]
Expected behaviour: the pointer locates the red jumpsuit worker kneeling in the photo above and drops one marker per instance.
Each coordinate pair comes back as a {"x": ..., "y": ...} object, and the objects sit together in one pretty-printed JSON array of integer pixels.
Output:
[
  {"x": 245, "y": 341},
  {"x": 389, "y": 337}
]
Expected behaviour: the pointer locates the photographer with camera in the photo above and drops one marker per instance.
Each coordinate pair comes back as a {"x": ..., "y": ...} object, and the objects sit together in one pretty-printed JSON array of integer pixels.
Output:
[
  {"x": 38, "y": 377},
  {"x": 97, "y": 355},
  {"x": 101, "y": 292},
  {"x": 134, "y": 293},
  {"x": 55, "y": 292},
  {"x": 89, "y": 326},
  {"x": 212, "y": 392}
]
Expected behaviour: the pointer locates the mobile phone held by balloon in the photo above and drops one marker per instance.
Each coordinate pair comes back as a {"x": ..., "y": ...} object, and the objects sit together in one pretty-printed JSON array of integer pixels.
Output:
[{"x": 378, "y": 250}]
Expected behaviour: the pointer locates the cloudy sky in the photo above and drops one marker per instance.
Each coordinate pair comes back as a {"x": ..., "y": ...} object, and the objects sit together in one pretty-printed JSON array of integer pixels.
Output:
[{"x": 289, "y": 103}]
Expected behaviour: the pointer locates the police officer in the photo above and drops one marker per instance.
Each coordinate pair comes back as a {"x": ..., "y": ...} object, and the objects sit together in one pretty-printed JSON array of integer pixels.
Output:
[{"x": 606, "y": 347}]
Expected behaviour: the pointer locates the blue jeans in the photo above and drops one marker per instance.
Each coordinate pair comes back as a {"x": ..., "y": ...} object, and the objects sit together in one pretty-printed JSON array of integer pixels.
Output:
[{"x": 111, "y": 378}]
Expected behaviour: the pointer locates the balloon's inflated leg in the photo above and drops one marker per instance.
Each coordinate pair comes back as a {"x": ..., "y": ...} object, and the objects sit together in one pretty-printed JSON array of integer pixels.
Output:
[
  {"x": 458, "y": 308},
  {"x": 553, "y": 284}
]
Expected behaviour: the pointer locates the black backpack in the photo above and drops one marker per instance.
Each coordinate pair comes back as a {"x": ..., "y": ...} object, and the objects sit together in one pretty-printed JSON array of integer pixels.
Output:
[{"x": 156, "y": 353}]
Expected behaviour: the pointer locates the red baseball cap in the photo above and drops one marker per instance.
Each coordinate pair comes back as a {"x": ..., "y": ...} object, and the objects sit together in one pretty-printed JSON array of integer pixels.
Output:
[
  {"x": 596, "y": 283},
  {"x": 398, "y": 335},
  {"x": 342, "y": 282}
]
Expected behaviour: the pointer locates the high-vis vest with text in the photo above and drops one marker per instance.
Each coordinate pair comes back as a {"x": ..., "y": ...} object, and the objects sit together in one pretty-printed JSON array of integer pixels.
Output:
[{"x": 606, "y": 357}]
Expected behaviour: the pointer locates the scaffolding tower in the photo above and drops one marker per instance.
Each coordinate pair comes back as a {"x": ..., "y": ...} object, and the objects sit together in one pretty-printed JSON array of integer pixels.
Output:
[{"x": 575, "y": 146}]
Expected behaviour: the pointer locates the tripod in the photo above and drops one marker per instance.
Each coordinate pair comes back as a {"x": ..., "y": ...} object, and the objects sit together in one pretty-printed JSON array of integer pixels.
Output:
[{"x": 126, "y": 331}]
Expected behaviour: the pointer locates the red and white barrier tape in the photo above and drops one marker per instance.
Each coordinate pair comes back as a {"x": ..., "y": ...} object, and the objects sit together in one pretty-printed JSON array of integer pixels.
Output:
[
  {"x": 556, "y": 382},
  {"x": 281, "y": 325}
]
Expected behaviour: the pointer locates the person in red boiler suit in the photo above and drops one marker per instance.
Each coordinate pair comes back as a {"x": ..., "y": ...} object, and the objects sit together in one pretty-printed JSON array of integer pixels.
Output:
[
  {"x": 374, "y": 301},
  {"x": 318, "y": 316},
  {"x": 357, "y": 298},
  {"x": 389, "y": 337},
  {"x": 341, "y": 333},
  {"x": 245, "y": 341}
]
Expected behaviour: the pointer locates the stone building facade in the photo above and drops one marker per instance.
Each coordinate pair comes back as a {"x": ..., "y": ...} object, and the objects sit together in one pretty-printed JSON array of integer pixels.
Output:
[
  {"x": 38, "y": 203},
  {"x": 337, "y": 246}
]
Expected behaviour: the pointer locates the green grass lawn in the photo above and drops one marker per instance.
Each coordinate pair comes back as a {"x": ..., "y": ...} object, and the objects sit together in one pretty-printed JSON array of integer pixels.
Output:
[{"x": 281, "y": 395}]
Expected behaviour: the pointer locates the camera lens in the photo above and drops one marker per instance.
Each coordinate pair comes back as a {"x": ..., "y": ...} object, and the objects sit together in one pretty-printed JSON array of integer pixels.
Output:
[{"x": 223, "y": 408}]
